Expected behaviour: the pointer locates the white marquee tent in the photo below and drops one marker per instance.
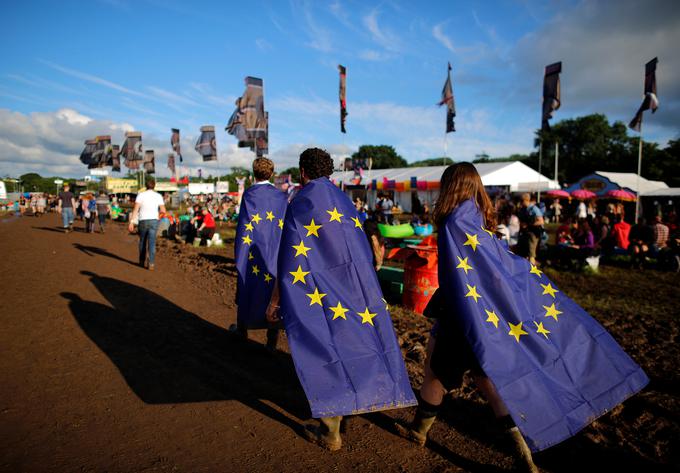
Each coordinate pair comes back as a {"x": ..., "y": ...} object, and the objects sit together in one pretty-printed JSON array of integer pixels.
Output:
[{"x": 512, "y": 176}]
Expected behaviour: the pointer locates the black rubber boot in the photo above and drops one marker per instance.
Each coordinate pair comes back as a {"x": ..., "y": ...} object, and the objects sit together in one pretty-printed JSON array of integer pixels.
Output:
[{"x": 417, "y": 430}]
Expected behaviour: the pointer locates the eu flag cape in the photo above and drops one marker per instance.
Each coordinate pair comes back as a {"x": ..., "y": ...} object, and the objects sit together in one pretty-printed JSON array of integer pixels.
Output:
[
  {"x": 338, "y": 325},
  {"x": 554, "y": 366},
  {"x": 256, "y": 247}
]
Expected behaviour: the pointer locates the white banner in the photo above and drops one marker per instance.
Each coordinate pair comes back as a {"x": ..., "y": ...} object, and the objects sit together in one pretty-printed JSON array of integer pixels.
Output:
[
  {"x": 222, "y": 187},
  {"x": 196, "y": 188},
  {"x": 99, "y": 172}
]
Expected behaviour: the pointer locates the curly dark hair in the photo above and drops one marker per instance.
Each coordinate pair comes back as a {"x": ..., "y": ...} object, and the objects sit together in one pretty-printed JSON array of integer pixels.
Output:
[{"x": 316, "y": 163}]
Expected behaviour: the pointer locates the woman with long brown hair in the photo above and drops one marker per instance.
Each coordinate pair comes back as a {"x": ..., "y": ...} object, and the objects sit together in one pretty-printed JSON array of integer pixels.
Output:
[{"x": 449, "y": 354}]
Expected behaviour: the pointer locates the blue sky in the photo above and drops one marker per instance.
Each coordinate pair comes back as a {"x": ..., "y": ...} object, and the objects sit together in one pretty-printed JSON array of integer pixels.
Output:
[{"x": 72, "y": 70}]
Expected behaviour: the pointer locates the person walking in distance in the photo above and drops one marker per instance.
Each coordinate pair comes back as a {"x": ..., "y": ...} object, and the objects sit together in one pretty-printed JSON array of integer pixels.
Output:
[
  {"x": 103, "y": 209},
  {"x": 65, "y": 207},
  {"x": 146, "y": 209}
]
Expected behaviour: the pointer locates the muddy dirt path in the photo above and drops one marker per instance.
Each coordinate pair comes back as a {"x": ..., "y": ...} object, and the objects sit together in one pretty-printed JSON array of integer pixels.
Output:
[{"x": 105, "y": 366}]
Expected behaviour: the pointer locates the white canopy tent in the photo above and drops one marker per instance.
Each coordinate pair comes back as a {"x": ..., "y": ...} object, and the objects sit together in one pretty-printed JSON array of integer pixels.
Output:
[{"x": 512, "y": 176}]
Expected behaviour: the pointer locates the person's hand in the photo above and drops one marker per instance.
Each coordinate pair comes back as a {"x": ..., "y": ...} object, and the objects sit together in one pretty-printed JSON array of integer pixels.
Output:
[
  {"x": 59, "y": 209},
  {"x": 272, "y": 313},
  {"x": 131, "y": 227}
]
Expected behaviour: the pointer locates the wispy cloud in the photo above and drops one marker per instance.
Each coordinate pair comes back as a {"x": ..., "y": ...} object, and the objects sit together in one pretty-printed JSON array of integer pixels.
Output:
[
  {"x": 263, "y": 45},
  {"x": 373, "y": 55},
  {"x": 383, "y": 36},
  {"x": 320, "y": 37},
  {"x": 171, "y": 98},
  {"x": 438, "y": 33},
  {"x": 91, "y": 78}
]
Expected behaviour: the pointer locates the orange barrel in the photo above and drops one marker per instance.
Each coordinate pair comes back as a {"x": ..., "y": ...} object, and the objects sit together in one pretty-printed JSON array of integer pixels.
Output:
[{"x": 420, "y": 277}]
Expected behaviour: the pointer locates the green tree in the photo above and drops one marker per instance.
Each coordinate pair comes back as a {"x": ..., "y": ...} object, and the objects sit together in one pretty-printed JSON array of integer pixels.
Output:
[
  {"x": 432, "y": 162},
  {"x": 383, "y": 156},
  {"x": 294, "y": 172}
]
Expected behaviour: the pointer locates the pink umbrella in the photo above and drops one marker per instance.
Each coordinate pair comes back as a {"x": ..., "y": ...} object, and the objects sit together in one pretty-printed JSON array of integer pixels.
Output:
[
  {"x": 620, "y": 194},
  {"x": 559, "y": 193},
  {"x": 583, "y": 194}
]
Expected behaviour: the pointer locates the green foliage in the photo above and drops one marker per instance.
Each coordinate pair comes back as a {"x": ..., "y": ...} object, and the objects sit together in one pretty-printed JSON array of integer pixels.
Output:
[
  {"x": 432, "y": 162},
  {"x": 590, "y": 143},
  {"x": 294, "y": 172},
  {"x": 384, "y": 157}
]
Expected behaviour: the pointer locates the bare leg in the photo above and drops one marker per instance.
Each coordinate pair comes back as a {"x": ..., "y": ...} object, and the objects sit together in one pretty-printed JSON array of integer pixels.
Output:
[
  {"x": 432, "y": 390},
  {"x": 489, "y": 392}
]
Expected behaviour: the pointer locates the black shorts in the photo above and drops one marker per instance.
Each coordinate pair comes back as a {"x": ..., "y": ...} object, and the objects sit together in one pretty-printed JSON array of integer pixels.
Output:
[{"x": 452, "y": 355}]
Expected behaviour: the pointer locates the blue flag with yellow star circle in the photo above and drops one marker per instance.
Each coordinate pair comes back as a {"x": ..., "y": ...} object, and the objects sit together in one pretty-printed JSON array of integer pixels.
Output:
[
  {"x": 555, "y": 367},
  {"x": 256, "y": 248},
  {"x": 338, "y": 325}
]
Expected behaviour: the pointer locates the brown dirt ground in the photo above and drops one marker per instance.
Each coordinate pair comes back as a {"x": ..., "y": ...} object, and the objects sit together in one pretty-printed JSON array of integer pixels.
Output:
[{"x": 105, "y": 366}]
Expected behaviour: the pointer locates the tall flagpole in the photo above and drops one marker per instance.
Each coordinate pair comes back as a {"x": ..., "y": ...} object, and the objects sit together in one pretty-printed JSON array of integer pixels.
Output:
[
  {"x": 540, "y": 163},
  {"x": 637, "y": 185},
  {"x": 446, "y": 148},
  {"x": 557, "y": 160}
]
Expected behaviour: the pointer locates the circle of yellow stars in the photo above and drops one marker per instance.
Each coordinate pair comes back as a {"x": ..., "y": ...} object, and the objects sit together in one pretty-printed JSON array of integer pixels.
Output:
[
  {"x": 248, "y": 239},
  {"x": 299, "y": 275},
  {"x": 516, "y": 330}
]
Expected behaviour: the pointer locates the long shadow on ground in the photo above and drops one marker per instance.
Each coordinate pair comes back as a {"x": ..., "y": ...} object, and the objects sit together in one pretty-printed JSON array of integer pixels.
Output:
[
  {"x": 169, "y": 355},
  {"x": 94, "y": 250}
]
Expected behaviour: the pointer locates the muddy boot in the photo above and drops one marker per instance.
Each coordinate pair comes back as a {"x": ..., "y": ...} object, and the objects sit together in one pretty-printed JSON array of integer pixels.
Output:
[
  {"x": 239, "y": 330},
  {"x": 326, "y": 434},
  {"x": 523, "y": 460},
  {"x": 417, "y": 430}
]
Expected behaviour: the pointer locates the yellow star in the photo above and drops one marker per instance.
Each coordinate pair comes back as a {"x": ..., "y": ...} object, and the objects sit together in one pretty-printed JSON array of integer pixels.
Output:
[
  {"x": 541, "y": 329},
  {"x": 247, "y": 240},
  {"x": 387, "y": 307},
  {"x": 334, "y": 214},
  {"x": 366, "y": 317},
  {"x": 315, "y": 297},
  {"x": 535, "y": 270},
  {"x": 339, "y": 311},
  {"x": 472, "y": 292},
  {"x": 357, "y": 223},
  {"x": 301, "y": 249},
  {"x": 472, "y": 241},
  {"x": 548, "y": 289},
  {"x": 256, "y": 218},
  {"x": 463, "y": 264},
  {"x": 267, "y": 277},
  {"x": 270, "y": 216},
  {"x": 249, "y": 227},
  {"x": 256, "y": 270},
  {"x": 516, "y": 331},
  {"x": 299, "y": 275},
  {"x": 551, "y": 311},
  {"x": 281, "y": 223},
  {"x": 250, "y": 255},
  {"x": 492, "y": 317},
  {"x": 488, "y": 231},
  {"x": 312, "y": 229}
]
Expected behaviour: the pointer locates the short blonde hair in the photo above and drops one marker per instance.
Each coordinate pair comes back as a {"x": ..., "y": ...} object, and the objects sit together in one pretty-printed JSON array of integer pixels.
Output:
[{"x": 263, "y": 168}]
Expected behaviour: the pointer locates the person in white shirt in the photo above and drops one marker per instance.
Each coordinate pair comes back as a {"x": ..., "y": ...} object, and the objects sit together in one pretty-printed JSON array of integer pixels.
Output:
[{"x": 147, "y": 205}]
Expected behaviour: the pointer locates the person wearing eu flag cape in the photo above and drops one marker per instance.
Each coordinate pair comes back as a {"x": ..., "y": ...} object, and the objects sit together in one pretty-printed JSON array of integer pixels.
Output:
[
  {"x": 338, "y": 325},
  {"x": 256, "y": 249},
  {"x": 547, "y": 368}
]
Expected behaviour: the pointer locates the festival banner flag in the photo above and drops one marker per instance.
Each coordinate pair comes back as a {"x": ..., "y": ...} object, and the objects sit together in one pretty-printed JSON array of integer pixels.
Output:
[
  {"x": 86, "y": 154},
  {"x": 149, "y": 162},
  {"x": 555, "y": 367},
  {"x": 449, "y": 101},
  {"x": 256, "y": 249},
  {"x": 551, "y": 93},
  {"x": 115, "y": 158},
  {"x": 650, "y": 100},
  {"x": 206, "y": 145},
  {"x": 171, "y": 163},
  {"x": 101, "y": 153},
  {"x": 174, "y": 141},
  {"x": 337, "y": 322},
  {"x": 343, "y": 97},
  {"x": 132, "y": 149},
  {"x": 249, "y": 122}
]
